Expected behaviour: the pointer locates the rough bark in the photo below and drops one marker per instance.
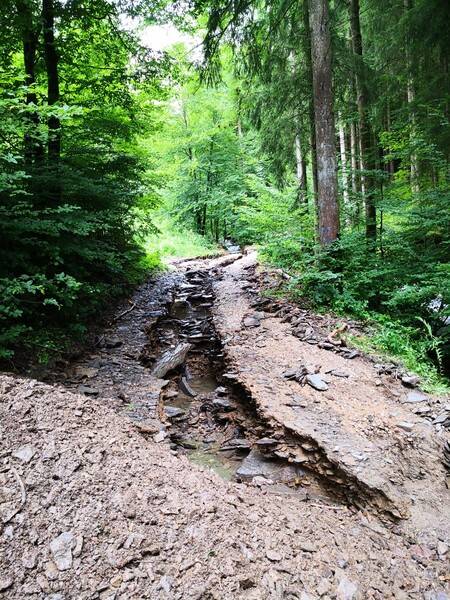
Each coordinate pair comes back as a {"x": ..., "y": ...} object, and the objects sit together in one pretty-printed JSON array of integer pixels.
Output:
[
  {"x": 365, "y": 133},
  {"x": 51, "y": 65},
  {"x": 321, "y": 59},
  {"x": 171, "y": 359}
]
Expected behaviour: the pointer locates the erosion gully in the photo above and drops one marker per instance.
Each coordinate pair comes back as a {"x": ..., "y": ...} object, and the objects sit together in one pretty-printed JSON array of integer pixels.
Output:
[{"x": 209, "y": 416}]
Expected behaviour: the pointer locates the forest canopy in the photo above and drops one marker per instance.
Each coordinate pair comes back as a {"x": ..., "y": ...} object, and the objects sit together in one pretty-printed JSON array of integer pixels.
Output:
[{"x": 317, "y": 130}]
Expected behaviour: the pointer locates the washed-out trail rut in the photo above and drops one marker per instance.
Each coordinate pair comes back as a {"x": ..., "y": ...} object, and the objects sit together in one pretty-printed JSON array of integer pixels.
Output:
[{"x": 217, "y": 443}]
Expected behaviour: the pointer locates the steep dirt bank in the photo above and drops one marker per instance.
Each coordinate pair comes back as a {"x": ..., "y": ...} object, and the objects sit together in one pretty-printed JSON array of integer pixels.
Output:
[{"x": 100, "y": 497}]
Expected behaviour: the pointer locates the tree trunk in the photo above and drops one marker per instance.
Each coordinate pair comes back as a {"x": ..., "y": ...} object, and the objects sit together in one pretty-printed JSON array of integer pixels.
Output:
[
  {"x": 301, "y": 171},
  {"x": 365, "y": 134},
  {"x": 353, "y": 158},
  {"x": 312, "y": 129},
  {"x": 51, "y": 64},
  {"x": 343, "y": 153},
  {"x": 30, "y": 34},
  {"x": 411, "y": 96},
  {"x": 321, "y": 59}
]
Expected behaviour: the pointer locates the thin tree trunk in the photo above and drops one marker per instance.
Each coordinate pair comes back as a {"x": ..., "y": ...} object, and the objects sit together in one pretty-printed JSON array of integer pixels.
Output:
[
  {"x": 321, "y": 59},
  {"x": 301, "y": 171},
  {"x": 51, "y": 64},
  {"x": 343, "y": 153},
  {"x": 353, "y": 158},
  {"x": 411, "y": 96},
  {"x": 312, "y": 127},
  {"x": 365, "y": 134},
  {"x": 391, "y": 166}
]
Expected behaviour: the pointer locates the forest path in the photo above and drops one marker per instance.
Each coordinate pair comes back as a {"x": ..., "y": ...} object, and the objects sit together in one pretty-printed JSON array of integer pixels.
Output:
[{"x": 102, "y": 498}]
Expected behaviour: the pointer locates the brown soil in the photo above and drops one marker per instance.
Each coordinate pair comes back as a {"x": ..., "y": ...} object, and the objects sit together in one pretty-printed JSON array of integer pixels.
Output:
[{"x": 96, "y": 500}]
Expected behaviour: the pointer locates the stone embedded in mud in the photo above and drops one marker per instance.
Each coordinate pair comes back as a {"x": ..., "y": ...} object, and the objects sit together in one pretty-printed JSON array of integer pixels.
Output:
[
  {"x": 273, "y": 555},
  {"x": 5, "y": 583},
  {"x": 410, "y": 380},
  {"x": 113, "y": 342},
  {"x": 251, "y": 322},
  {"x": 221, "y": 390},
  {"x": 316, "y": 382},
  {"x": 338, "y": 373},
  {"x": 87, "y": 390},
  {"x": 61, "y": 549},
  {"x": 174, "y": 412},
  {"x": 223, "y": 404},
  {"x": 24, "y": 453},
  {"x": 415, "y": 396}
]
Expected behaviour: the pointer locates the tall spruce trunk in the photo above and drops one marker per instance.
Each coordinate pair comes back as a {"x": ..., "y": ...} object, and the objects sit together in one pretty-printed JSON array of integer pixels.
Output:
[
  {"x": 321, "y": 59},
  {"x": 33, "y": 149},
  {"x": 51, "y": 65},
  {"x": 365, "y": 132}
]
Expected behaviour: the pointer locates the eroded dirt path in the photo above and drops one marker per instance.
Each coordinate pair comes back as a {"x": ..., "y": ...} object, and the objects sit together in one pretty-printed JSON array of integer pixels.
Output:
[{"x": 191, "y": 455}]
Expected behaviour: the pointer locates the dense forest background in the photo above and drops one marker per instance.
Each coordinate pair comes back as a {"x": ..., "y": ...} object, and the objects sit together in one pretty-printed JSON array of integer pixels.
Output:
[{"x": 317, "y": 130}]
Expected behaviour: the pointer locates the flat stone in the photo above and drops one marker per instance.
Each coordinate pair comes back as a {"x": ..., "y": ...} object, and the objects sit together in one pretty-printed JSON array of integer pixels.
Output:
[
  {"x": 236, "y": 444},
  {"x": 173, "y": 412},
  {"x": 223, "y": 404},
  {"x": 405, "y": 425},
  {"x": 5, "y": 583},
  {"x": 251, "y": 322},
  {"x": 159, "y": 437},
  {"x": 337, "y": 373},
  {"x": 113, "y": 342},
  {"x": 307, "y": 547},
  {"x": 410, "y": 380},
  {"x": 316, "y": 382},
  {"x": 88, "y": 390},
  {"x": 441, "y": 418},
  {"x": 415, "y": 396},
  {"x": 442, "y": 548},
  {"x": 61, "y": 549},
  {"x": 24, "y": 453},
  {"x": 273, "y": 555},
  {"x": 266, "y": 442}
]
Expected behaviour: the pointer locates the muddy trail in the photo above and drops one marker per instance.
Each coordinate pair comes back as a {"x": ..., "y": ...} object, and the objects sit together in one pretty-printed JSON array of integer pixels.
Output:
[{"x": 217, "y": 442}]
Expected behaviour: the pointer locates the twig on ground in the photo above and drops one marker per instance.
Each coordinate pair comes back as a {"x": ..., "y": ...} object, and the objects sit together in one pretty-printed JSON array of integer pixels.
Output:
[{"x": 125, "y": 312}]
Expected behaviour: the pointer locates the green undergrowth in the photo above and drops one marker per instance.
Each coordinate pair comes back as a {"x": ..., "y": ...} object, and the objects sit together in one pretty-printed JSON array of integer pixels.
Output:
[
  {"x": 392, "y": 341},
  {"x": 173, "y": 240}
]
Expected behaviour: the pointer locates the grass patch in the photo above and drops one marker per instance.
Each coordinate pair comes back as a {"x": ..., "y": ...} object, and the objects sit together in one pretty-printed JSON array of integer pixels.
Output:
[
  {"x": 173, "y": 241},
  {"x": 394, "y": 342}
]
